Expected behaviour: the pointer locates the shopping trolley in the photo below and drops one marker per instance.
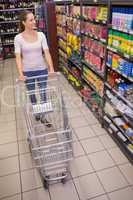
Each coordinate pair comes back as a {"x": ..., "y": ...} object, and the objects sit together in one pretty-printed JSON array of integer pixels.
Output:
[{"x": 51, "y": 147}]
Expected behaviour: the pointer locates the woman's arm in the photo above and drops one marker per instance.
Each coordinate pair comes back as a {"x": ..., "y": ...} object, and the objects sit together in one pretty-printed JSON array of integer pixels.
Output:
[
  {"x": 19, "y": 66},
  {"x": 49, "y": 60}
]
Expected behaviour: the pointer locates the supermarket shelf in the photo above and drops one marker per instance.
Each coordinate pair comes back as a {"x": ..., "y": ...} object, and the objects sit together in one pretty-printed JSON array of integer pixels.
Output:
[
  {"x": 119, "y": 140},
  {"x": 74, "y": 17},
  {"x": 61, "y": 13},
  {"x": 62, "y": 56},
  {"x": 75, "y": 64},
  {"x": 94, "y": 69},
  {"x": 103, "y": 41},
  {"x": 8, "y": 22},
  {"x": 119, "y": 112},
  {"x": 121, "y": 130},
  {"x": 62, "y": 60},
  {"x": 92, "y": 2},
  {"x": 78, "y": 78},
  {"x": 61, "y": 37},
  {"x": 119, "y": 96},
  {"x": 16, "y": 9},
  {"x": 91, "y": 85},
  {"x": 124, "y": 55},
  {"x": 125, "y": 76},
  {"x": 120, "y": 2},
  {"x": 10, "y": 33},
  {"x": 96, "y": 21},
  {"x": 121, "y": 30},
  {"x": 8, "y": 44},
  {"x": 62, "y": 49},
  {"x": 63, "y": 2}
]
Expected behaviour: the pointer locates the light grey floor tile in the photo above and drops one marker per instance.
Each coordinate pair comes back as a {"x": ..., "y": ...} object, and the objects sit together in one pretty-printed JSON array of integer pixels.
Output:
[
  {"x": 124, "y": 194},
  {"x": 112, "y": 179},
  {"x": 85, "y": 110},
  {"x": 16, "y": 197},
  {"x": 9, "y": 166},
  {"x": 9, "y": 185},
  {"x": 118, "y": 156},
  {"x": 39, "y": 194},
  {"x": 103, "y": 197},
  {"x": 91, "y": 119},
  {"x": 88, "y": 186},
  {"x": 63, "y": 192},
  {"x": 8, "y": 137},
  {"x": 80, "y": 166},
  {"x": 74, "y": 113},
  {"x": 7, "y": 150},
  {"x": 8, "y": 101},
  {"x": 74, "y": 137},
  {"x": 26, "y": 161},
  {"x": 84, "y": 132},
  {"x": 22, "y": 134},
  {"x": 30, "y": 180},
  {"x": 23, "y": 147},
  {"x": 127, "y": 170},
  {"x": 92, "y": 145},
  {"x": 78, "y": 150},
  {"x": 7, "y": 117},
  {"x": 69, "y": 104},
  {"x": 19, "y": 114},
  {"x": 78, "y": 122},
  {"x": 21, "y": 124},
  {"x": 98, "y": 129},
  {"x": 6, "y": 110},
  {"x": 7, "y": 126},
  {"x": 101, "y": 160},
  {"x": 107, "y": 141},
  {"x": 78, "y": 101}
]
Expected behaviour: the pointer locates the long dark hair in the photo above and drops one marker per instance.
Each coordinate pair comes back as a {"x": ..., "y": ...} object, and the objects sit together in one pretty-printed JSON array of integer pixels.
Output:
[{"x": 23, "y": 17}]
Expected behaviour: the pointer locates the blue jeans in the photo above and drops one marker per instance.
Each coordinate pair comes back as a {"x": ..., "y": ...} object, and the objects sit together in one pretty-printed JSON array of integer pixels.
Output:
[{"x": 41, "y": 81}]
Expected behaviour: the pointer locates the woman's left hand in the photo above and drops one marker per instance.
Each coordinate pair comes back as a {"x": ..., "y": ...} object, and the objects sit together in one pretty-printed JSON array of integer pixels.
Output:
[{"x": 51, "y": 70}]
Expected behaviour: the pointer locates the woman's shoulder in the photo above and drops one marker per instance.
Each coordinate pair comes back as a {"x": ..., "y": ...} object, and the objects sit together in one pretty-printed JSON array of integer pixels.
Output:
[
  {"x": 18, "y": 36},
  {"x": 41, "y": 34}
]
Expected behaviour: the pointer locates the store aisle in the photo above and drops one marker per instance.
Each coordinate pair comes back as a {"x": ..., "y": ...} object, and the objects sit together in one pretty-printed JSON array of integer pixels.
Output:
[{"x": 99, "y": 170}]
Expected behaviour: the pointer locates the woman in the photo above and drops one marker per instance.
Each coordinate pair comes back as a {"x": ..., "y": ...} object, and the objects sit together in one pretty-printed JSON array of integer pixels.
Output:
[{"x": 29, "y": 48}]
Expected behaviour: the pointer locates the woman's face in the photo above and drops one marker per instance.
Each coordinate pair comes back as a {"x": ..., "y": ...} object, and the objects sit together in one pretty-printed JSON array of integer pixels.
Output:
[{"x": 30, "y": 22}]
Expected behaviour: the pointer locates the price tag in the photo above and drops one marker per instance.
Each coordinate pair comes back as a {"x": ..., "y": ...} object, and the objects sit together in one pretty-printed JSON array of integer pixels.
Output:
[
  {"x": 126, "y": 56},
  {"x": 110, "y": 130},
  {"x": 121, "y": 136},
  {"x": 131, "y": 32}
]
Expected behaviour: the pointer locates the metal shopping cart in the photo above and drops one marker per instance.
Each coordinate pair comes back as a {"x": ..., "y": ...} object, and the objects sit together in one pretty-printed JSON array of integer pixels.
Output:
[{"x": 51, "y": 146}]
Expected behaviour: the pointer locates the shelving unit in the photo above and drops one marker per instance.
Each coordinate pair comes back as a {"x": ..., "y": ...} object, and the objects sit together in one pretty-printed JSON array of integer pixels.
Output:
[
  {"x": 96, "y": 63},
  {"x": 118, "y": 64},
  {"x": 74, "y": 14}
]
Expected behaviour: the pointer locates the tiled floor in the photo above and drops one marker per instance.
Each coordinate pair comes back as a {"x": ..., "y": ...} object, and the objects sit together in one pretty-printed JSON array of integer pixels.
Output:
[{"x": 99, "y": 171}]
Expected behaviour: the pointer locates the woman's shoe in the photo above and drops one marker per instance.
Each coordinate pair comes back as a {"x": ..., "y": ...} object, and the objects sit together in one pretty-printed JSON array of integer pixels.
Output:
[
  {"x": 37, "y": 117},
  {"x": 46, "y": 122}
]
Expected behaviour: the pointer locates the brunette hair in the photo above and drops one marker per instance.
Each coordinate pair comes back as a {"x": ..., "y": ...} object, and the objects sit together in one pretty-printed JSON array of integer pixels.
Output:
[{"x": 23, "y": 17}]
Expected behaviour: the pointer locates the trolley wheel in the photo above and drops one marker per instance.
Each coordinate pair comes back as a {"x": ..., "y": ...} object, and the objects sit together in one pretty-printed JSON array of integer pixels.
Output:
[
  {"x": 45, "y": 184},
  {"x": 63, "y": 180}
]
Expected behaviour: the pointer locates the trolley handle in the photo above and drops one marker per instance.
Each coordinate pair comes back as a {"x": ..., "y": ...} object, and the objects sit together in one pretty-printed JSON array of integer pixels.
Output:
[{"x": 28, "y": 78}]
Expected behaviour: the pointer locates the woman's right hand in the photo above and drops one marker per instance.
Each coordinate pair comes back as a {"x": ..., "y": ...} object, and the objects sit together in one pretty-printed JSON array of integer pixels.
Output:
[{"x": 21, "y": 77}]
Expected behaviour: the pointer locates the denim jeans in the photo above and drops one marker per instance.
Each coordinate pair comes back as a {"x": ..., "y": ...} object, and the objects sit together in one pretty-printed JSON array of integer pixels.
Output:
[{"x": 41, "y": 82}]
